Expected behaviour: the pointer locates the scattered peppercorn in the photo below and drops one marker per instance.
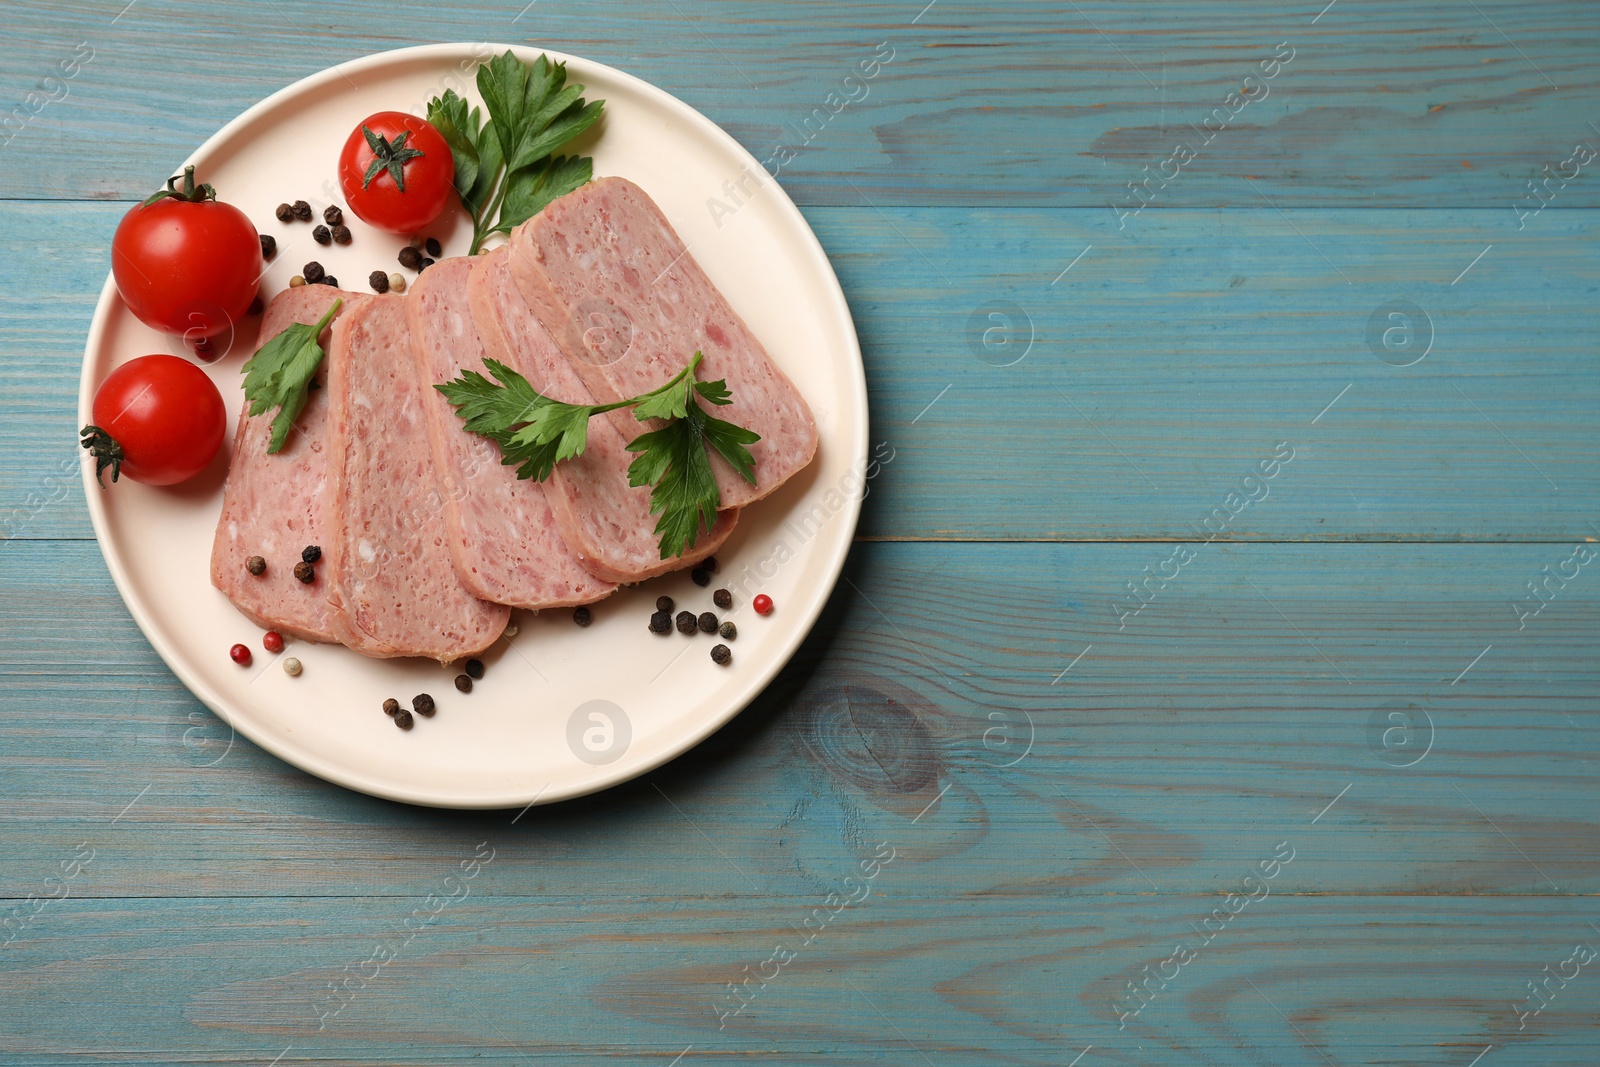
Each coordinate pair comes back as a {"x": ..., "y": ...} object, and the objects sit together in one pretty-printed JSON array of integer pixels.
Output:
[
  {"x": 422, "y": 704},
  {"x": 391, "y": 706},
  {"x": 708, "y": 623},
  {"x": 463, "y": 683},
  {"x": 291, "y": 667},
  {"x": 272, "y": 641},
  {"x": 582, "y": 616},
  {"x": 313, "y": 272},
  {"x": 709, "y": 564},
  {"x": 510, "y": 631},
  {"x": 328, "y": 279},
  {"x": 341, "y": 235},
  {"x": 433, "y": 247},
  {"x": 410, "y": 257},
  {"x": 700, "y": 577},
  {"x": 332, "y": 215},
  {"x": 728, "y": 631},
  {"x": 322, "y": 235},
  {"x": 475, "y": 668},
  {"x": 204, "y": 349},
  {"x": 269, "y": 245},
  {"x": 240, "y": 654},
  {"x": 305, "y": 572},
  {"x": 296, "y": 282},
  {"x": 686, "y": 622},
  {"x": 661, "y": 622},
  {"x": 256, "y": 566},
  {"x": 397, "y": 283},
  {"x": 284, "y": 212},
  {"x": 427, "y": 261},
  {"x": 663, "y": 603},
  {"x": 721, "y": 655},
  {"x": 762, "y": 603},
  {"x": 302, "y": 211},
  {"x": 417, "y": 241},
  {"x": 379, "y": 281},
  {"x": 311, "y": 553},
  {"x": 723, "y": 599},
  {"x": 256, "y": 306},
  {"x": 403, "y": 719}
]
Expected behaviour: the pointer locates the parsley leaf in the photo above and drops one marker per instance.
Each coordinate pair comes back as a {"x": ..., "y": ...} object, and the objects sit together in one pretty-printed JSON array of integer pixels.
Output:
[
  {"x": 535, "y": 433},
  {"x": 280, "y": 373},
  {"x": 505, "y": 170}
]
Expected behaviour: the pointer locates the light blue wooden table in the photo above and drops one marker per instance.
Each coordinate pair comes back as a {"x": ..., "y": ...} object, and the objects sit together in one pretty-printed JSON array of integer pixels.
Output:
[{"x": 1177, "y": 762}]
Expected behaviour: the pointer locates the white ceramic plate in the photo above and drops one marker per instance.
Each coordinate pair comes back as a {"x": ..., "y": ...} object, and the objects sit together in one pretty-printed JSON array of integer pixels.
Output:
[{"x": 562, "y": 711}]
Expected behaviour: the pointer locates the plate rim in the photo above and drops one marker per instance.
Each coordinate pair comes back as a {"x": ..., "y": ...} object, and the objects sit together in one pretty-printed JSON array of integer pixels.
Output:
[{"x": 339, "y": 774}]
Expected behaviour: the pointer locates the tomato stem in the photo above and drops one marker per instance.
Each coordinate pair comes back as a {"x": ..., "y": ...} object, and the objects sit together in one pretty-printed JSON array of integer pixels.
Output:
[
  {"x": 105, "y": 450},
  {"x": 189, "y": 194}
]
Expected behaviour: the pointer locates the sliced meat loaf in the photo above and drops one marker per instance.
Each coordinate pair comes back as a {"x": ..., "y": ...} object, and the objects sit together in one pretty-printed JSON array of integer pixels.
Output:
[
  {"x": 273, "y": 505},
  {"x": 502, "y": 533},
  {"x": 386, "y": 559},
  {"x": 602, "y": 518},
  {"x": 618, "y": 290}
]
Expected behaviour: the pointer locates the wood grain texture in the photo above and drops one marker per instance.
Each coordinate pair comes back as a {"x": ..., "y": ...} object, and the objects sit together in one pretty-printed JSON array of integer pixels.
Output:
[
  {"x": 1157, "y": 373},
  {"x": 1424, "y": 103},
  {"x": 1077, "y": 714}
]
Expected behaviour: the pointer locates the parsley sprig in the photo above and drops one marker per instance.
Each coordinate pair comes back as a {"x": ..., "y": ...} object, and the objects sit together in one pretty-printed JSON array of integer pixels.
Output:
[
  {"x": 535, "y": 432},
  {"x": 279, "y": 374},
  {"x": 505, "y": 172}
]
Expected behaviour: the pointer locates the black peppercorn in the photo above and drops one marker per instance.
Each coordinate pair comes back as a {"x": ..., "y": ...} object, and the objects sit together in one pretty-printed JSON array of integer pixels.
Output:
[
  {"x": 422, "y": 704},
  {"x": 720, "y": 655},
  {"x": 391, "y": 706},
  {"x": 256, "y": 306},
  {"x": 433, "y": 247},
  {"x": 463, "y": 683},
  {"x": 663, "y": 603},
  {"x": 475, "y": 668},
  {"x": 728, "y": 631},
  {"x": 427, "y": 261},
  {"x": 332, "y": 215},
  {"x": 256, "y": 565},
  {"x": 686, "y": 622},
  {"x": 410, "y": 258},
  {"x": 709, "y": 564},
  {"x": 311, "y": 553},
  {"x": 312, "y": 272},
  {"x": 341, "y": 235},
  {"x": 269, "y": 245},
  {"x": 582, "y": 616},
  {"x": 328, "y": 279},
  {"x": 284, "y": 212},
  {"x": 322, "y": 235},
  {"x": 661, "y": 622},
  {"x": 708, "y": 623},
  {"x": 305, "y": 572},
  {"x": 302, "y": 211},
  {"x": 379, "y": 280},
  {"x": 403, "y": 719},
  {"x": 700, "y": 577},
  {"x": 722, "y": 599}
]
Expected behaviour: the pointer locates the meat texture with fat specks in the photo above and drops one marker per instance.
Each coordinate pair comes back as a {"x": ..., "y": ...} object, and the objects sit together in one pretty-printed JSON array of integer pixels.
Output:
[
  {"x": 602, "y": 518},
  {"x": 615, "y": 286},
  {"x": 386, "y": 557},
  {"x": 273, "y": 506},
  {"x": 503, "y": 536}
]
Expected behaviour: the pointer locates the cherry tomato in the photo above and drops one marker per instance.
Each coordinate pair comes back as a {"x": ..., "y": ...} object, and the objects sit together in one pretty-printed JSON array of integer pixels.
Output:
[
  {"x": 396, "y": 172},
  {"x": 158, "y": 419},
  {"x": 185, "y": 262}
]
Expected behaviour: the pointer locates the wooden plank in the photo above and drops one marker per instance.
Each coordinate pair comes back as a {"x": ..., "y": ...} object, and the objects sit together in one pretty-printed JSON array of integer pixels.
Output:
[
  {"x": 1030, "y": 102},
  {"x": 1164, "y": 367},
  {"x": 994, "y": 695}
]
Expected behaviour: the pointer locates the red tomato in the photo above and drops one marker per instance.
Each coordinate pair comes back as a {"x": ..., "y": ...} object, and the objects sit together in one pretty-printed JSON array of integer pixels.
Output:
[
  {"x": 187, "y": 263},
  {"x": 396, "y": 172},
  {"x": 157, "y": 419}
]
